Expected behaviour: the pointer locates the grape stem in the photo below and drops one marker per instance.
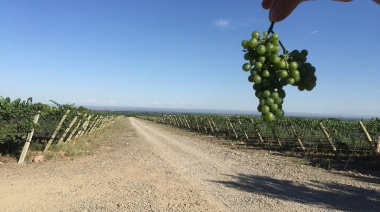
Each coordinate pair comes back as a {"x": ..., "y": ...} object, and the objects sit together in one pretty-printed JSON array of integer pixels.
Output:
[{"x": 270, "y": 30}]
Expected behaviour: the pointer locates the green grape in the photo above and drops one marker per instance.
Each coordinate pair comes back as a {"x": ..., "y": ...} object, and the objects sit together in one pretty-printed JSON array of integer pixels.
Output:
[
  {"x": 244, "y": 43},
  {"x": 265, "y": 109},
  {"x": 258, "y": 66},
  {"x": 297, "y": 79},
  {"x": 274, "y": 107},
  {"x": 274, "y": 95},
  {"x": 301, "y": 87},
  {"x": 262, "y": 102},
  {"x": 265, "y": 73},
  {"x": 253, "y": 72},
  {"x": 277, "y": 48},
  {"x": 246, "y": 67},
  {"x": 269, "y": 101},
  {"x": 250, "y": 78},
  {"x": 274, "y": 58},
  {"x": 274, "y": 37},
  {"x": 253, "y": 42},
  {"x": 304, "y": 52},
  {"x": 278, "y": 101},
  {"x": 271, "y": 70},
  {"x": 269, "y": 117},
  {"x": 279, "y": 113},
  {"x": 281, "y": 64},
  {"x": 290, "y": 80},
  {"x": 256, "y": 79},
  {"x": 293, "y": 66},
  {"x": 270, "y": 47},
  {"x": 261, "y": 49},
  {"x": 266, "y": 94},
  {"x": 258, "y": 93},
  {"x": 294, "y": 73},
  {"x": 256, "y": 35},
  {"x": 282, "y": 74},
  {"x": 261, "y": 59}
]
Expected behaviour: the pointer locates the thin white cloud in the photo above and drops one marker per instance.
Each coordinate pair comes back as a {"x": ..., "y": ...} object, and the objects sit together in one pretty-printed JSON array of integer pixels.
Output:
[
  {"x": 224, "y": 23},
  {"x": 314, "y": 32}
]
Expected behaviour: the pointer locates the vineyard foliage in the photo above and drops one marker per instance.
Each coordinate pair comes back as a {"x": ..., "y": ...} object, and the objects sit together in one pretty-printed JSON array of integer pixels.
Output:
[
  {"x": 16, "y": 121},
  {"x": 289, "y": 133}
]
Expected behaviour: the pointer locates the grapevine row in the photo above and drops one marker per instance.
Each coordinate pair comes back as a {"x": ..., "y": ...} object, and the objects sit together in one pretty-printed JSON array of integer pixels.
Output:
[
  {"x": 299, "y": 134},
  {"x": 23, "y": 122}
]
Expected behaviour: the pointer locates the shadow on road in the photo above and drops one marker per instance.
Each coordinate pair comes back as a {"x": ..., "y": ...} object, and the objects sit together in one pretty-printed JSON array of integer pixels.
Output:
[{"x": 334, "y": 196}]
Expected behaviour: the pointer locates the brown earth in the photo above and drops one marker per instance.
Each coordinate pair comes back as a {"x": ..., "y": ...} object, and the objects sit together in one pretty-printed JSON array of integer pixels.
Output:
[{"x": 143, "y": 166}]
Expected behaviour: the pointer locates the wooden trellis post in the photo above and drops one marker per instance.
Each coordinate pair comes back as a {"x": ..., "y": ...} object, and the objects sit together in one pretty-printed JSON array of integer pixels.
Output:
[
  {"x": 298, "y": 138},
  {"x": 216, "y": 127},
  {"x": 184, "y": 122},
  {"x": 181, "y": 122},
  {"x": 178, "y": 121},
  {"x": 56, "y": 131},
  {"x": 375, "y": 149},
  {"x": 233, "y": 129},
  {"x": 84, "y": 127},
  {"x": 97, "y": 125},
  {"x": 67, "y": 129},
  {"x": 104, "y": 122},
  {"x": 73, "y": 132},
  {"x": 91, "y": 125},
  {"x": 28, "y": 139},
  {"x": 212, "y": 130},
  {"x": 276, "y": 137},
  {"x": 258, "y": 133},
  {"x": 187, "y": 123},
  {"x": 329, "y": 139},
  {"x": 196, "y": 121},
  {"x": 204, "y": 126},
  {"x": 369, "y": 139},
  {"x": 245, "y": 133},
  {"x": 175, "y": 121}
]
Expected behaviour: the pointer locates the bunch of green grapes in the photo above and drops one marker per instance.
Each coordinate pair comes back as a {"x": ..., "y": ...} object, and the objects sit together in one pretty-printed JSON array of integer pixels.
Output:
[{"x": 270, "y": 71}]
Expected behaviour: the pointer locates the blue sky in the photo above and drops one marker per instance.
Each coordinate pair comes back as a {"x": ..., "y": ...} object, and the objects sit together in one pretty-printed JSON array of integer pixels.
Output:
[{"x": 183, "y": 54}]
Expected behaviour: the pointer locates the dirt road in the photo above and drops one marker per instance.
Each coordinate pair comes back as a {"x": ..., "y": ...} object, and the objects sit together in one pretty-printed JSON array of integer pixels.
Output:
[{"x": 150, "y": 167}]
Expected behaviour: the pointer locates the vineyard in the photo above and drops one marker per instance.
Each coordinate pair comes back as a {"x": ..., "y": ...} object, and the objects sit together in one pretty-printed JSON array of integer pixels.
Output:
[
  {"x": 342, "y": 140},
  {"x": 23, "y": 122}
]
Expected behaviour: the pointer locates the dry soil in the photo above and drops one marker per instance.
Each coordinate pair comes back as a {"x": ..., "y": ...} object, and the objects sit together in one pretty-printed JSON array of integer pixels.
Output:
[{"x": 145, "y": 166}]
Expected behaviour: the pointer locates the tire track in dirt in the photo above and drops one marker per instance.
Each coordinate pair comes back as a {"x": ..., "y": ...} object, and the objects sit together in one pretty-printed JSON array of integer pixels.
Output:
[
  {"x": 186, "y": 161},
  {"x": 203, "y": 170}
]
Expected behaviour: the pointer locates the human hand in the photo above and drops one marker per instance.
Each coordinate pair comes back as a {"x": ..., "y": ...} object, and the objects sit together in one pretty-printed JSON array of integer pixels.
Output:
[{"x": 280, "y": 9}]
